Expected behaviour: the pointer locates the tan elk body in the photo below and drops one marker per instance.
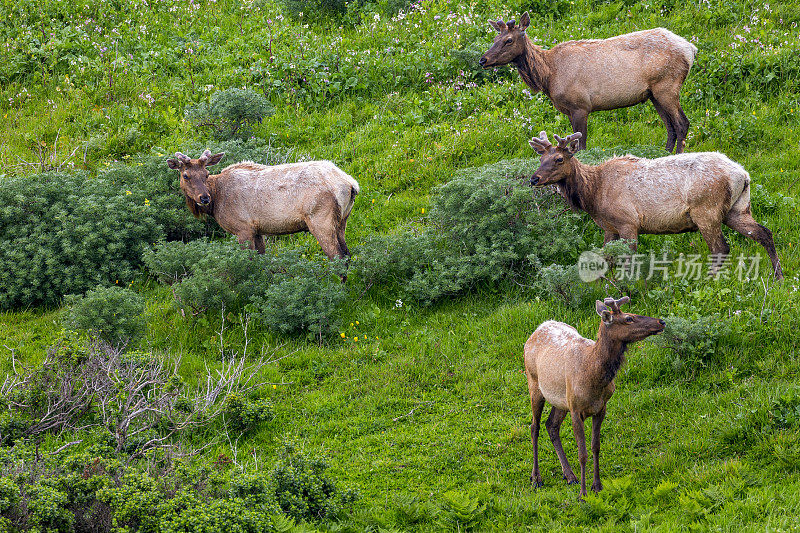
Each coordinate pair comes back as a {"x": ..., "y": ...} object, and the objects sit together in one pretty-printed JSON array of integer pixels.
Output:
[
  {"x": 252, "y": 200},
  {"x": 576, "y": 376},
  {"x": 581, "y": 77},
  {"x": 627, "y": 196}
]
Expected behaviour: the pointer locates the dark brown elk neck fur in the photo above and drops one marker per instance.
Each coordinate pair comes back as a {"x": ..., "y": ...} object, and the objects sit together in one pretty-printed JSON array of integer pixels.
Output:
[
  {"x": 607, "y": 356},
  {"x": 580, "y": 186},
  {"x": 533, "y": 67}
]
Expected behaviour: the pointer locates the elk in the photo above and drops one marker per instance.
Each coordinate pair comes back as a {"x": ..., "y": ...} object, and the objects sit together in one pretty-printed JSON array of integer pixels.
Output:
[
  {"x": 581, "y": 77},
  {"x": 627, "y": 196},
  {"x": 576, "y": 375},
  {"x": 251, "y": 200}
]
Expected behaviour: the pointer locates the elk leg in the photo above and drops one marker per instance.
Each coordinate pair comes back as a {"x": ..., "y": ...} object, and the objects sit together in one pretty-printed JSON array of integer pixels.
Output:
[
  {"x": 326, "y": 239},
  {"x": 553, "y": 426},
  {"x": 667, "y": 96},
  {"x": 323, "y": 223},
  {"x": 580, "y": 439},
  {"x": 745, "y": 224},
  {"x": 249, "y": 241},
  {"x": 667, "y": 123},
  {"x": 609, "y": 236},
  {"x": 537, "y": 405},
  {"x": 344, "y": 251},
  {"x": 682, "y": 130},
  {"x": 258, "y": 242},
  {"x": 717, "y": 244},
  {"x": 597, "y": 421},
  {"x": 630, "y": 233},
  {"x": 579, "y": 119}
]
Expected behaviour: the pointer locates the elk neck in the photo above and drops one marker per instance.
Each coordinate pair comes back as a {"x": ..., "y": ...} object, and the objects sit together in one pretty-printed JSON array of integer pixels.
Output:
[
  {"x": 211, "y": 185},
  {"x": 579, "y": 187},
  {"x": 607, "y": 356},
  {"x": 533, "y": 67}
]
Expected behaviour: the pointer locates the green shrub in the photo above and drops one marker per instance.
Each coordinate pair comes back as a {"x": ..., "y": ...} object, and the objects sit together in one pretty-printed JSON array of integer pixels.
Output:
[
  {"x": 115, "y": 314},
  {"x": 48, "y": 509},
  {"x": 9, "y": 494},
  {"x": 563, "y": 282},
  {"x": 231, "y": 113},
  {"x": 287, "y": 291},
  {"x": 66, "y": 233},
  {"x": 302, "y": 294},
  {"x": 244, "y": 414},
  {"x": 223, "y": 276},
  {"x": 485, "y": 226},
  {"x": 304, "y": 490},
  {"x": 691, "y": 344}
]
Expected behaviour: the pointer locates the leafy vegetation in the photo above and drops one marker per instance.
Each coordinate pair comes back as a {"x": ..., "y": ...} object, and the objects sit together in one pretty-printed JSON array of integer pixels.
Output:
[{"x": 406, "y": 378}]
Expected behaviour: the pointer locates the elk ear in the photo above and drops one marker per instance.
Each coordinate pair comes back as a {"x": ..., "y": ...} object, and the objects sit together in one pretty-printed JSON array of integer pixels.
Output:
[
  {"x": 600, "y": 307},
  {"x": 174, "y": 164},
  {"x": 496, "y": 25},
  {"x": 524, "y": 21},
  {"x": 214, "y": 159},
  {"x": 607, "y": 317}
]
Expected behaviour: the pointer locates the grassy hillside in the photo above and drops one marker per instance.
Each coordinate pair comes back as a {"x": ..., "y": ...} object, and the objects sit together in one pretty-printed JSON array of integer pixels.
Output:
[{"x": 422, "y": 407}]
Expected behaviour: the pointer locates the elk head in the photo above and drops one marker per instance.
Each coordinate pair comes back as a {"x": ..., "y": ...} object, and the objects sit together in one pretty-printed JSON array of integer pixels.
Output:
[
  {"x": 626, "y": 327},
  {"x": 555, "y": 162},
  {"x": 193, "y": 178},
  {"x": 509, "y": 44}
]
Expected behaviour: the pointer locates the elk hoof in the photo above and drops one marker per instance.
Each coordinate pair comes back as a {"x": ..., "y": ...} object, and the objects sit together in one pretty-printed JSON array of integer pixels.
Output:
[
  {"x": 570, "y": 480},
  {"x": 597, "y": 487},
  {"x": 537, "y": 484}
]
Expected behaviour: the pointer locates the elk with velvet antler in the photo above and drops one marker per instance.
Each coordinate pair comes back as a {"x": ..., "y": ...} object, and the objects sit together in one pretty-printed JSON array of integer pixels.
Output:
[
  {"x": 581, "y": 77},
  {"x": 576, "y": 375},
  {"x": 627, "y": 196},
  {"x": 251, "y": 200}
]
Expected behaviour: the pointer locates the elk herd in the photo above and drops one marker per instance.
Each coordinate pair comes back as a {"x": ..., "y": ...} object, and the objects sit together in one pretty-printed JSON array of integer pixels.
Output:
[{"x": 625, "y": 196}]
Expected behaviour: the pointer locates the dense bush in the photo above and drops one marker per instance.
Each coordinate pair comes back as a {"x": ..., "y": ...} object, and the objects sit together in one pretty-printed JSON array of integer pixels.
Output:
[
  {"x": 231, "y": 113},
  {"x": 287, "y": 291},
  {"x": 303, "y": 488},
  {"x": 485, "y": 225},
  {"x": 207, "y": 275},
  {"x": 691, "y": 343},
  {"x": 96, "y": 489},
  {"x": 303, "y": 294},
  {"x": 114, "y": 313},
  {"x": 243, "y": 413},
  {"x": 64, "y": 233}
]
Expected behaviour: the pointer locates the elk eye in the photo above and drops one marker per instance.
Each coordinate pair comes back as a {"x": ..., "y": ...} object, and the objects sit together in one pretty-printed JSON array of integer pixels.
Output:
[
  {"x": 508, "y": 41},
  {"x": 629, "y": 319},
  {"x": 559, "y": 159}
]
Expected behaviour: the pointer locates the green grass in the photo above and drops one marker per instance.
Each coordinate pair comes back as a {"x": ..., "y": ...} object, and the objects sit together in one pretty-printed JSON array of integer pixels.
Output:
[{"x": 433, "y": 400}]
